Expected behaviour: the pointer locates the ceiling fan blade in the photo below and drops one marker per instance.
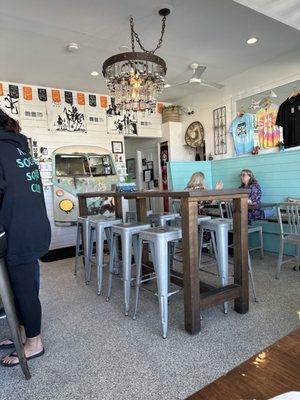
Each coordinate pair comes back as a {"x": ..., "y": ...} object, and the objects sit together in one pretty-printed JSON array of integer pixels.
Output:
[
  {"x": 199, "y": 71},
  {"x": 177, "y": 84},
  {"x": 211, "y": 84}
]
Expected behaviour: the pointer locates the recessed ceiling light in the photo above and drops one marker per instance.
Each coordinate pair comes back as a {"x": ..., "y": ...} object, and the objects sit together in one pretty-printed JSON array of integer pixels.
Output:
[
  {"x": 123, "y": 49},
  {"x": 94, "y": 73},
  {"x": 167, "y": 85},
  {"x": 72, "y": 47},
  {"x": 252, "y": 40}
]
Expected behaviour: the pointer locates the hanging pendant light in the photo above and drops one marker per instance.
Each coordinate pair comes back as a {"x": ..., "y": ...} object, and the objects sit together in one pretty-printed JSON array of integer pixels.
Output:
[{"x": 136, "y": 79}]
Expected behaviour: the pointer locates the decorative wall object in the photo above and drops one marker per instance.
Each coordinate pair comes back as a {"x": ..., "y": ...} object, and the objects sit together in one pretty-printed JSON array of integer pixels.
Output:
[
  {"x": 125, "y": 123},
  {"x": 69, "y": 97},
  {"x": 220, "y": 131},
  {"x": 42, "y": 94},
  {"x": 81, "y": 99},
  {"x": 11, "y": 106},
  {"x": 117, "y": 147},
  {"x": 92, "y": 100},
  {"x": 130, "y": 165},
  {"x": 1, "y": 89},
  {"x": 164, "y": 158},
  {"x": 55, "y": 96},
  {"x": 66, "y": 118},
  {"x": 171, "y": 114},
  {"x": 14, "y": 91},
  {"x": 27, "y": 93},
  {"x": 148, "y": 175},
  {"x": 103, "y": 101}
]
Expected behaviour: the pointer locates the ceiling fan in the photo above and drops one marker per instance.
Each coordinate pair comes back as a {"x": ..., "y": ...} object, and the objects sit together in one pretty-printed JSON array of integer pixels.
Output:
[{"x": 196, "y": 79}]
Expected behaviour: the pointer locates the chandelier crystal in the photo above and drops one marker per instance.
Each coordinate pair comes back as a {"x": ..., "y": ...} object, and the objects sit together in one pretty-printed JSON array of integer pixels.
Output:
[{"x": 136, "y": 79}]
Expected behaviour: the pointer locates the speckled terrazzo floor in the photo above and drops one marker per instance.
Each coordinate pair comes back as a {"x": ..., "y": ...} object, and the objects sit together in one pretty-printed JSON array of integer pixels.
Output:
[{"x": 94, "y": 352}]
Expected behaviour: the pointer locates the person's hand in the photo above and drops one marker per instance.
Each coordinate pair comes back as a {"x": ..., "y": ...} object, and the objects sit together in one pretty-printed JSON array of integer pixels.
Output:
[
  {"x": 219, "y": 185},
  {"x": 250, "y": 202}
]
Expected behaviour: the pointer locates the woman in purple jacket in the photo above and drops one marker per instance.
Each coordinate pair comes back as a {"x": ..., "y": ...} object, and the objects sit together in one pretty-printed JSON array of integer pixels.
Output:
[{"x": 249, "y": 182}]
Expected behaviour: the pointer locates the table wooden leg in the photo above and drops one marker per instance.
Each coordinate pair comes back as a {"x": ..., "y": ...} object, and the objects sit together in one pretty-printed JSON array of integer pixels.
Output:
[
  {"x": 191, "y": 284},
  {"x": 141, "y": 209},
  {"x": 240, "y": 249},
  {"x": 83, "y": 210},
  {"x": 119, "y": 207}
]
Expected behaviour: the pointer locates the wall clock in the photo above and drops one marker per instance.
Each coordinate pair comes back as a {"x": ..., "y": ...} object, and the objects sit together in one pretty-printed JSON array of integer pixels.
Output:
[{"x": 194, "y": 135}]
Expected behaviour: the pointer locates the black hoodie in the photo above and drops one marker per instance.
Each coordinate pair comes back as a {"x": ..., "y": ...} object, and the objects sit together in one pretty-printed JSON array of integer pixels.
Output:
[{"x": 22, "y": 205}]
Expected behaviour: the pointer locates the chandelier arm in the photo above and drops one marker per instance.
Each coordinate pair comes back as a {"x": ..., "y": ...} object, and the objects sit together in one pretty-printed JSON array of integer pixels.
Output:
[{"x": 135, "y": 36}]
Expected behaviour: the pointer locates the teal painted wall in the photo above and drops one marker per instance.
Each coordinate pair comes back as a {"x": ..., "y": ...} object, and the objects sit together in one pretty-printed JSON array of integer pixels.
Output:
[
  {"x": 179, "y": 173},
  {"x": 278, "y": 174}
]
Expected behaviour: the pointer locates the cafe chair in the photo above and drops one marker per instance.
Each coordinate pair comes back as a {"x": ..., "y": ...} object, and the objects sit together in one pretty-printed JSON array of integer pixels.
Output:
[
  {"x": 289, "y": 218},
  {"x": 10, "y": 310},
  {"x": 99, "y": 228},
  {"x": 158, "y": 239},
  {"x": 128, "y": 232},
  {"x": 226, "y": 211}
]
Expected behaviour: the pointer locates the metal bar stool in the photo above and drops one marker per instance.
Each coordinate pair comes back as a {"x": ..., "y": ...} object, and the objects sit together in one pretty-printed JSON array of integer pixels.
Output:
[
  {"x": 226, "y": 210},
  {"x": 101, "y": 228},
  {"x": 158, "y": 239},
  {"x": 163, "y": 219},
  {"x": 219, "y": 230},
  {"x": 82, "y": 237},
  {"x": 129, "y": 238},
  {"x": 11, "y": 315},
  {"x": 131, "y": 216}
]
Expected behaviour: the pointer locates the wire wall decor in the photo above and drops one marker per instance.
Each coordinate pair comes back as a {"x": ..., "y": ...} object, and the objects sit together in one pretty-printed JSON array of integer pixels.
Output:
[{"x": 220, "y": 132}]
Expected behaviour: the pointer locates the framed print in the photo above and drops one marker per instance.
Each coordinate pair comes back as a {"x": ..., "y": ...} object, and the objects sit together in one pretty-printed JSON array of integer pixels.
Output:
[
  {"x": 149, "y": 164},
  {"x": 117, "y": 147},
  {"x": 148, "y": 175},
  {"x": 130, "y": 165}
]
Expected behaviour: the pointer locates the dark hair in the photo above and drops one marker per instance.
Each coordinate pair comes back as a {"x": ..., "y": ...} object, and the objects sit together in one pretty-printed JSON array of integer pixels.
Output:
[
  {"x": 8, "y": 123},
  {"x": 250, "y": 173}
]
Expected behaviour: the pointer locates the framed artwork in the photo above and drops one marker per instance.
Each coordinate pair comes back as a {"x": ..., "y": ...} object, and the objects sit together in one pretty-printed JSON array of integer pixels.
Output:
[
  {"x": 148, "y": 175},
  {"x": 220, "y": 132},
  {"x": 130, "y": 165},
  {"x": 149, "y": 164},
  {"x": 117, "y": 147}
]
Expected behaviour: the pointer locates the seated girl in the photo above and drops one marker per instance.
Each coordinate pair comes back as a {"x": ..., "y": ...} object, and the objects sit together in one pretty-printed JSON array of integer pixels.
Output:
[{"x": 197, "y": 182}]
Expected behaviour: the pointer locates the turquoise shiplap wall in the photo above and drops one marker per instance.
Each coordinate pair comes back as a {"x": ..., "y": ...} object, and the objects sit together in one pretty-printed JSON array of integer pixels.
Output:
[
  {"x": 179, "y": 173},
  {"x": 278, "y": 174}
]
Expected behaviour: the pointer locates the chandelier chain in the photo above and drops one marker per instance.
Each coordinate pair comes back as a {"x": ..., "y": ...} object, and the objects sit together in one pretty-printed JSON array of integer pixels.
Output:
[{"x": 135, "y": 36}]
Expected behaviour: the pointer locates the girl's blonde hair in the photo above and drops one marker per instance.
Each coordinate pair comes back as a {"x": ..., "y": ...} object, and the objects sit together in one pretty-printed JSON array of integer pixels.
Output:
[{"x": 196, "y": 181}]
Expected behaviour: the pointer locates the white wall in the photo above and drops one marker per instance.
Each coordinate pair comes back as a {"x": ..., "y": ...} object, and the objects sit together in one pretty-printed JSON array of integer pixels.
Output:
[{"x": 276, "y": 72}]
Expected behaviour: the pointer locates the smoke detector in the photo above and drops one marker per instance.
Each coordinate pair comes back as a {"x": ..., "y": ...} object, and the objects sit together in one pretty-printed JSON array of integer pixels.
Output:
[{"x": 72, "y": 47}]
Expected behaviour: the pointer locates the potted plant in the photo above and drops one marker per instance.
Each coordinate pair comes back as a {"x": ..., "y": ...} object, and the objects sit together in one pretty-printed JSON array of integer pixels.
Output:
[{"x": 171, "y": 113}]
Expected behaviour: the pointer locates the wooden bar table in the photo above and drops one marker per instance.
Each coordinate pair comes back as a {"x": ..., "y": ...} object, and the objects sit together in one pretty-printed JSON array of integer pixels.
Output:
[{"x": 197, "y": 295}]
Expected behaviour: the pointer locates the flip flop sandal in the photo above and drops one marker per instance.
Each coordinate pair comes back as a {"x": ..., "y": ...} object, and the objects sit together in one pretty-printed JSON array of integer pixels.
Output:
[
  {"x": 41, "y": 353},
  {"x": 7, "y": 346}
]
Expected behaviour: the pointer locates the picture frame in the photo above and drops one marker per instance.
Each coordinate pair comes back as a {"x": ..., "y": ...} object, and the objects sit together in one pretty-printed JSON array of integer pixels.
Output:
[
  {"x": 117, "y": 147},
  {"x": 149, "y": 164},
  {"x": 130, "y": 165},
  {"x": 148, "y": 175}
]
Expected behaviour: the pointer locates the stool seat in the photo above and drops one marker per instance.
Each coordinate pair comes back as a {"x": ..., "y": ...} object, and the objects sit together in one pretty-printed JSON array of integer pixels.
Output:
[
  {"x": 166, "y": 232},
  {"x": 105, "y": 222},
  {"x": 131, "y": 227},
  {"x": 164, "y": 217},
  {"x": 200, "y": 218}
]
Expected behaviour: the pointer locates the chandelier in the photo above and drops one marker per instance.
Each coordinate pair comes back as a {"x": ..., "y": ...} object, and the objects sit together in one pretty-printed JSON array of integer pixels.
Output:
[{"x": 135, "y": 79}]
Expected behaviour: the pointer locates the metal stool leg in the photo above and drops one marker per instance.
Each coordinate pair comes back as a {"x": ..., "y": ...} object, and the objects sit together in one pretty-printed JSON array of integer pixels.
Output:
[
  {"x": 77, "y": 249},
  {"x": 222, "y": 259},
  {"x": 251, "y": 277},
  {"x": 200, "y": 246},
  {"x": 88, "y": 259},
  {"x": 126, "y": 266},
  {"x": 280, "y": 257},
  {"x": 138, "y": 276},
  {"x": 9, "y": 306},
  {"x": 85, "y": 243},
  {"x": 99, "y": 257},
  {"x": 112, "y": 251},
  {"x": 162, "y": 273},
  {"x": 261, "y": 239}
]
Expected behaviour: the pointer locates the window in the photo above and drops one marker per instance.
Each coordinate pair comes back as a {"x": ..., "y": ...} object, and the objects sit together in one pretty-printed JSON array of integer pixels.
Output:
[
  {"x": 71, "y": 165},
  {"x": 101, "y": 165}
]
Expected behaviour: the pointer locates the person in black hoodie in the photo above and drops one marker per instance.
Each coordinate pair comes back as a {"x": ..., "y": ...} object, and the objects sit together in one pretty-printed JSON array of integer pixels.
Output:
[{"x": 24, "y": 218}]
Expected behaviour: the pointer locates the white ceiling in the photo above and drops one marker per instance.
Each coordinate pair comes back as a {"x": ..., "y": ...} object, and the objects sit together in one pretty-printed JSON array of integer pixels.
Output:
[
  {"x": 286, "y": 11},
  {"x": 33, "y": 36}
]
